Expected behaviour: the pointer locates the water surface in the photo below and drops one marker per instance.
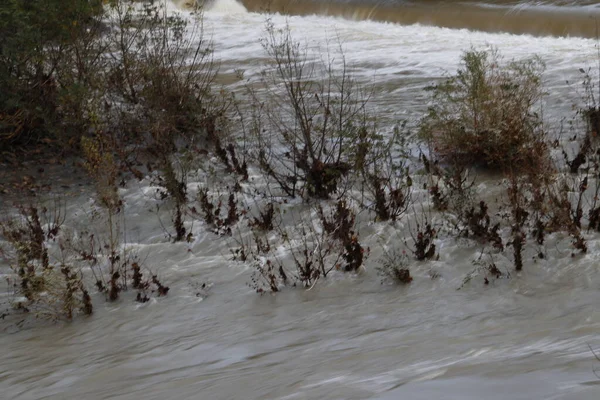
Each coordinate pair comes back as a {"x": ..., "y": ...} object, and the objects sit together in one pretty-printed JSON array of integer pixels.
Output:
[{"x": 350, "y": 337}]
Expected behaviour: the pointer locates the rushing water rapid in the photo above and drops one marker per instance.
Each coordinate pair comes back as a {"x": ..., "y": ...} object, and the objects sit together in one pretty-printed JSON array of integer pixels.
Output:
[{"x": 349, "y": 337}]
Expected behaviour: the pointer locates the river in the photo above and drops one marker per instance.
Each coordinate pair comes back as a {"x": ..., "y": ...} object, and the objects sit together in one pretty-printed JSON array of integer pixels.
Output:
[{"x": 350, "y": 337}]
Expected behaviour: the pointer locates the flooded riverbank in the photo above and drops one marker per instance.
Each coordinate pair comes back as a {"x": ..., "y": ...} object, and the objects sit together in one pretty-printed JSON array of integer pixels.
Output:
[{"x": 350, "y": 336}]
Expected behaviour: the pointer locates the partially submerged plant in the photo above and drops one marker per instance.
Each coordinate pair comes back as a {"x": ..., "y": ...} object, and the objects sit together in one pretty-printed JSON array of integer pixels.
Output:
[
  {"x": 265, "y": 219},
  {"x": 314, "y": 249},
  {"x": 484, "y": 115},
  {"x": 393, "y": 266},
  {"x": 219, "y": 217},
  {"x": 423, "y": 240},
  {"x": 50, "y": 286},
  {"x": 478, "y": 224},
  {"x": 591, "y": 110},
  {"x": 305, "y": 133},
  {"x": 488, "y": 269},
  {"x": 386, "y": 176}
]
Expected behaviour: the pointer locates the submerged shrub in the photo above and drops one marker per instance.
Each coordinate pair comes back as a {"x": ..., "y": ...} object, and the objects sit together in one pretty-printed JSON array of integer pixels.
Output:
[
  {"x": 306, "y": 132},
  {"x": 591, "y": 110},
  {"x": 484, "y": 115},
  {"x": 314, "y": 247},
  {"x": 48, "y": 286},
  {"x": 219, "y": 215},
  {"x": 386, "y": 175},
  {"x": 393, "y": 266},
  {"x": 478, "y": 224},
  {"x": 424, "y": 242}
]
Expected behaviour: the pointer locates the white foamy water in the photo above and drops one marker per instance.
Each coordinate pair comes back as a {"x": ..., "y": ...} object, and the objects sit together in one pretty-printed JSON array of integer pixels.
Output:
[
  {"x": 399, "y": 60},
  {"x": 349, "y": 337}
]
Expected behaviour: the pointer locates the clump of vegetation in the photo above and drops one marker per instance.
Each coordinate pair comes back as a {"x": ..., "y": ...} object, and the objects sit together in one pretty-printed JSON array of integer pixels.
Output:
[
  {"x": 173, "y": 185},
  {"x": 423, "y": 247},
  {"x": 102, "y": 167},
  {"x": 159, "y": 79},
  {"x": 479, "y": 225},
  {"x": 305, "y": 133},
  {"x": 49, "y": 286},
  {"x": 488, "y": 269},
  {"x": 145, "y": 85},
  {"x": 265, "y": 219},
  {"x": 339, "y": 225},
  {"x": 450, "y": 188},
  {"x": 42, "y": 62},
  {"x": 591, "y": 110},
  {"x": 315, "y": 247},
  {"x": 393, "y": 266},
  {"x": 219, "y": 216},
  {"x": 386, "y": 175},
  {"x": 141, "y": 95},
  {"x": 267, "y": 276},
  {"x": 484, "y": 115}
]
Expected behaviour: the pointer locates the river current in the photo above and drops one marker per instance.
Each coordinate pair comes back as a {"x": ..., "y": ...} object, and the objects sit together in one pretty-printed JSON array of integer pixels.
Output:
[{"x": 350, "y": 337}]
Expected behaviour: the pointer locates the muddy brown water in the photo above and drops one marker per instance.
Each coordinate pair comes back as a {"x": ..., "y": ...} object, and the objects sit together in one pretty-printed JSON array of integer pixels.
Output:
[{"x": 559, "y": 18}]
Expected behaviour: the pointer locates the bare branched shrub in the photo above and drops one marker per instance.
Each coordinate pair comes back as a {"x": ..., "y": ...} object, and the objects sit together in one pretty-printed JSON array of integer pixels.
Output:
[
  {"x": 478, "y": 224},
  {"x": 265, "y": 219},
  {"x": 306, "y": 130},
  {"x": 450, "y": 187},
  {"x": 219, "y": 214},
  {"x": 313, "y": 247},
  {"x": 393, "y": 266},
  {"x": 488, "y": 269},
  {"x": 386, "y": 176}
]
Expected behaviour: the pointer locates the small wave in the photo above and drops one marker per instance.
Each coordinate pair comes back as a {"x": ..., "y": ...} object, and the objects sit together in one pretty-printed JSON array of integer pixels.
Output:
[
  {"x": 226, "y": 7},
  {"x": 218, "y": 6}
]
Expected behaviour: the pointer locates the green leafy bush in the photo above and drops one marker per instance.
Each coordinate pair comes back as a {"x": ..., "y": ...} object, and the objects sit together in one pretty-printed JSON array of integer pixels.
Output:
[
  {"x": 485, "y": 114},
  {"x": 37, "y": 37}
]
